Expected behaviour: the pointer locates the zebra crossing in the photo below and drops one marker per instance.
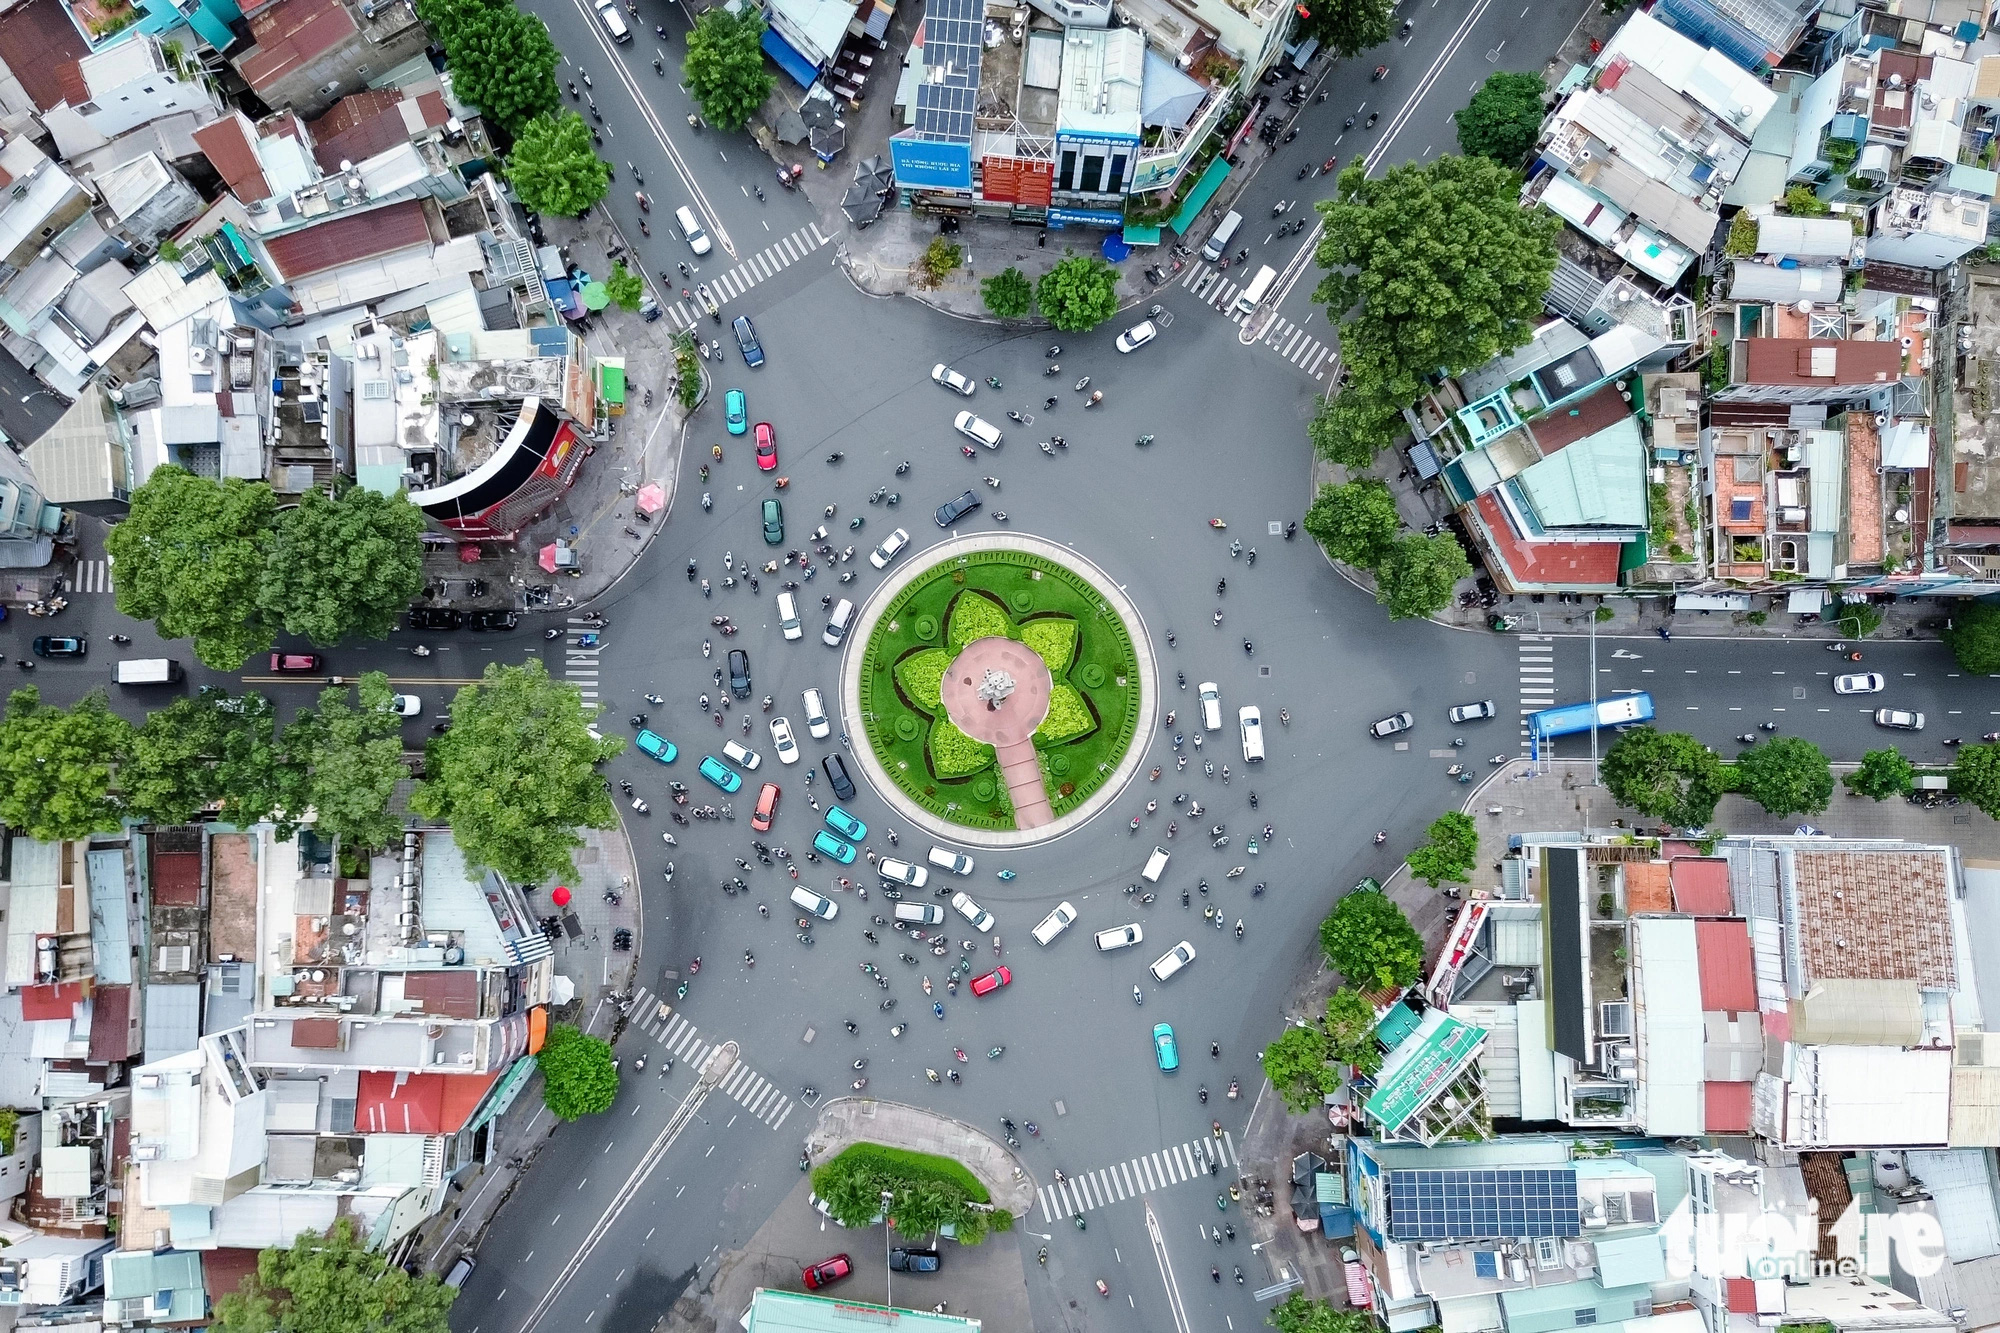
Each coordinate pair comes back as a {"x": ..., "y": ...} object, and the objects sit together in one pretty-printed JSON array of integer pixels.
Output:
[
  {"x": 1144, "y": 1174},
  {"x": 1537, "y": 663},
  {"x": 767, "y": 263},
  {"x": 744, "y": 1085},
  {"x": 92, "y": 576},
  {"x": 579, "y": 662},
  {"x": 1217, "y": 290}
]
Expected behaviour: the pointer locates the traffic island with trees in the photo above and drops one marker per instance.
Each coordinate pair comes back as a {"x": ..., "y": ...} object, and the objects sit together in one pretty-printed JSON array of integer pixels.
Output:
[{"x": 927, "y": 1194}]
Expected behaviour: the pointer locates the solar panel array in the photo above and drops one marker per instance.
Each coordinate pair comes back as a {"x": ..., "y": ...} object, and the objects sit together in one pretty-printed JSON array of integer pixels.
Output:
[
  {"x": 1459, "y": 1205},
  {"x": 953, "y": 30}
]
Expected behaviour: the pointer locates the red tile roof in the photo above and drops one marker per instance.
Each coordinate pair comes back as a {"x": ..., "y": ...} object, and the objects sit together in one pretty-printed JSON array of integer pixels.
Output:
[
  {"x": 1789, "y": 361},
  {"x": 344, "y": 239},
  {"x": 1646, "y": 888},
  {"x": 290, "y": 34},
  {"x": 228, "y": 146},
  {"x": 1728, "y": 977},
  {"x": 431, "y": 106},
  {"x": 41, "y": 45},
  {"x": 1701, "y": 885},
  {"x": 1566, "y": 425},
  {"x": 358, "y": 127},
  {"x": 392, "y": 1103},
  {"x": 113, "y": 1034},
  {"x": 1726, "y": 1110},
  {"x": 1558, "y": 564},
  {"x": 223, "y": 1271}
]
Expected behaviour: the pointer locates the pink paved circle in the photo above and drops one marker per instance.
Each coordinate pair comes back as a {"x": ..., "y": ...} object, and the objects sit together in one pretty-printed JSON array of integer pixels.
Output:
[{"x": 1009, "y": 728}]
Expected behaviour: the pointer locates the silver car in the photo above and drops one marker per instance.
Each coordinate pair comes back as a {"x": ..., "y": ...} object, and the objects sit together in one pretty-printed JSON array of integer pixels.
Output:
[
  {"x": 951, "y": 379},
  {"x": 981, "y": 919},
  {"x": 1392, "y": 724}
]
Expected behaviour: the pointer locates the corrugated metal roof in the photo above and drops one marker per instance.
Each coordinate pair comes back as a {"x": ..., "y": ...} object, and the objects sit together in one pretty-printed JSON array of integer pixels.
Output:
[
  {"x": 1668, "y": 1023},
  {"x": 289, "y": 34},
  {"x": 344, "y": 239},
  {"x": 1726, "y": 1108},
  {"x": 1728, "y": 979},
  {"x": 41, "y": 45},
  {"x": 1624, "y": 1261},
  {"x": 1701, "y": 885}
]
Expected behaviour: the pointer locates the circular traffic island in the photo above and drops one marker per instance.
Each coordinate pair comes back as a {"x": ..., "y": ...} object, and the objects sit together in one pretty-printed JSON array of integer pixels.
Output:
[{"x": 999, "y": 690}]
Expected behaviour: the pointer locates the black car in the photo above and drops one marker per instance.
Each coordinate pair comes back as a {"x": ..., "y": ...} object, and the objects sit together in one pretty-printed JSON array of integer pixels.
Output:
[
  {"x": 739, "y": 673},
  {"x": 836, "y": 775},
  {"x": 435, "y": 617},
  {"x": 49, "y": 645},
  {"x": 491, "y": 620},
  {"x": 949, "y": 514},
  {"x": 914, "y": 1261}
]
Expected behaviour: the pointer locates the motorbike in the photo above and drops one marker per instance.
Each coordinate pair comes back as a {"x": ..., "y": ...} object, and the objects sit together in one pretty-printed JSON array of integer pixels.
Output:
[
  {"x": 1217, "y": 523},
  {"x": 1234, "y": 1090},
  {"x": 1380, "y": 72},
  {"x": 639, "y": 804}
]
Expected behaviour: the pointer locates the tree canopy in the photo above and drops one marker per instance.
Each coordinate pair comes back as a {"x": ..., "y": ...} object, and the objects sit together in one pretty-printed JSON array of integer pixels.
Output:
[
  {"x": 190, "y": 556},
  {"x": 925, "y": 1192},
  {"x": 1350, "y": 1030},
  {"x": 514, "y": 776},
  {"x": 1355, "y": 523},
  {"x": 1347, "y": 27},
  {"x": 1974, "y": 638},
  {"x": 1296, "y": 1065},
  {"x": 352, "y": 759},
  {"x": 1790, "y": 776},
  {"x": 1299, "y": 1313},
  {"x": 501, "y": 59},
  {"x": 1449, "y": 851},
  {"x": 724, "y": 68},
  {"x": 1504, "y": 118},
  {"x": 1418, "y": 573},
  {"x": 578, "y": 1078},
  {"x": 344, "y": 567},
  {"x": 209, "y": 747},
  {"x": 332, "y": 1283},
  {"x": 1665, "y": 774},
  {"x": 1351, "y": 428},
  {"x": 626, "y": 289},
  {"x": 555, "y": 168},
  {"x": 1079, "y": 293},
  {"x": 1007, "y": 293},
  {"x": 56, "y": 765},
  {"x": 1371, "y": 943},
  {"x": 1975, "y": 776},
  {"x": 1882, "y": 774}
]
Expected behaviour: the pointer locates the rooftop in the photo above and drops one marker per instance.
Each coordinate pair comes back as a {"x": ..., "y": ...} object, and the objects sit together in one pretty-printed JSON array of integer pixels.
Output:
[
  {"x": 1883, "y": 915},
  {"x": 1814, "y": 361}
]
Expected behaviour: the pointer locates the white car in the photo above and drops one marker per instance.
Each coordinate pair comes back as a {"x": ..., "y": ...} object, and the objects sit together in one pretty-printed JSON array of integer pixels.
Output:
[
  {"x": 1054, "y": 924},
  {"x": 1211, "y": 706},
  {"x": 976, "y": 430},
  {"x": 951, "y": 379},
  {"x": 742, "y": 756},
  {"x": 1120, "y": 937},
  {"x": 981, "y": 919},
  {"x": 406, "y": 705},
  {"x": 1899, "y": 719},
  {"x": 1864, "y": 682},
  {"x": 958, "y": 863},
  {"x": 1168, "y": 963},
  {"x": 1472, "y": 712},
  {"x": 891, "y": 547},
  {"x": 782, "y": 742},
  {"x": 806, "y": 900},
  {"x": 1251, "y": 723},
  {"x": 902, "y": 872},
  {"x": 1137, "y": 336},
  {"x": 1392, "y": 724},
  {"x": 817, "y": 726}
]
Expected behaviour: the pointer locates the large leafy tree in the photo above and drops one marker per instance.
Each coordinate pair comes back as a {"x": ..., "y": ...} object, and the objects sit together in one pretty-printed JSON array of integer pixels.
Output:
[
  {"x": 1370, "y": 942},
  {"x": 1449, "y": 851},
  {"x": 501, "y": 59},
  {"x": 578, "y": 1078},
  {"x": 1417, "y": 575},
  {"x": 209, "y": 748},
  {"x": 1790, "y": 776},
  {"x": 1350, "y": 1030},
  {"x": 1347, "y": 27},
  {"x": 1355, "y": 523},
  {"x": 514, "y": 776},
  {"x": 190, "y": 558},
  {"x": 1665, "y": 774},
  {"x": 1296, "y": 1065},
  {"x": 344, "y": 567},
  {"x": 1974, "y": 638},
  {"x": 554, "y": 167},
  {"x": 1300, "y": 1313},
  {"x": 1007, "y": 293},
  {"x": 1439, "y": 266},
  {"x": 1079, "y": 293},
  {"x": 332, "y": 1283},
  {"x": 1976, "y": 776},
  {"x": 1355, "y": 426},
  {"x": 56, "y": 765},
  {"x": 1503, "y": 119},
  {"x": 1882, "y": 774},
  {"x": 724, "y": 68},
  {"x": 353, "y": 759},
  {"x": 626, "y": 289}
]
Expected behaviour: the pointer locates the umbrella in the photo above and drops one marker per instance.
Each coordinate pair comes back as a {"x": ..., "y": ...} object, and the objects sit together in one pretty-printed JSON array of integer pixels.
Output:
[
  {"x": 652, "y": 498},
  {"x": 468, "y": 554},
  {"x": 791, "y": 127},
  {"x": 818, "y": 113},
  {"x": 595, "y": 297},
  {"x": 873, "y": 165},
  {"x": 861, "y": 204},
  {"x": 560, "y": 897},
  {"x": 547, "y": 559},
  {"x": 1115, "y": 248},
  {"x": 826, "y": 142}
]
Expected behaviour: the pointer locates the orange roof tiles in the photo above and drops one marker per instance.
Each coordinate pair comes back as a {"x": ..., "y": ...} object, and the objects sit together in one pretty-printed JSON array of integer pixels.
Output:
[
  {"x": 1878, "y": 915},
  {"x": 1647, "y": 888},
  {"x": 1789, "y": 361},
  {"x": 344, "y": 239},
  {"x": 1565, "y": 564}
]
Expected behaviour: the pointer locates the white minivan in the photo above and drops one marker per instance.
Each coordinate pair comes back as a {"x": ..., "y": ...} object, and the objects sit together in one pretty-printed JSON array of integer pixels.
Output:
[
  {"x": 1259, "y": 288},
  {"x": 1156, "y": 865},
  {"x": 614, "y": 22},
  {"x": 837, "y": 624},
  {"x": 697, "y": 239},
  {"x": 1251, "y": 723},
  {"x": 958, "y": 863},
  {"x": 817, "y": 725},
  {"x": 788, "y": 616},
  {"x": 1211, "y": 706},
  {"x": 1054, "y": 924},
  {"x": 1218, "y": 243}
]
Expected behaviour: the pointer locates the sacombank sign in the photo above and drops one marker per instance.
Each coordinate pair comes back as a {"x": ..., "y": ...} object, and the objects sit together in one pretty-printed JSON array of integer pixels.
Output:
[{"x": 931, "y": 164}]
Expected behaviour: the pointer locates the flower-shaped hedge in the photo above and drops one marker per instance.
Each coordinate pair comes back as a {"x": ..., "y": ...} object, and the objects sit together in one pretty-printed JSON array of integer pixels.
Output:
[{"x": 1053, "y": 611}]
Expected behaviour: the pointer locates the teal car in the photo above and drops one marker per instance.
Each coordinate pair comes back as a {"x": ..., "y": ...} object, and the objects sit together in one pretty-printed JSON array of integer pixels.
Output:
[
  {"x": 737, "y": 411},
  {"x": 833, "y": 848},
  {"x": 774, "y": 523},
  {"x": 1164, "y": 1048},
  {"x": 658, "y": 746},
  {"x": 721, "y": 774},
  {"x": 846, "y": 825}
]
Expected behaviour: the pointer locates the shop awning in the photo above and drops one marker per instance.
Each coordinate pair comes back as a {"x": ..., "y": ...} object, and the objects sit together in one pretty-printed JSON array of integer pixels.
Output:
[
  {"x": 1805, "y": 601},
  {"x": 1137, "y": 235},
  {"x": 1204, "y": 190},
  {"x": 1712, "y": 601},
  {"x": 803, "y": 71}
]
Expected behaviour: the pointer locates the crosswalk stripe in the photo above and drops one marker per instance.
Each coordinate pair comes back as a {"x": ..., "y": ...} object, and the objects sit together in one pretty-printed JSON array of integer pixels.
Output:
[
  {"x": 781, "y": 1119},
  {"x": 1156, "y": 1174},
  {"x": 1105, "y": 1183},
  {"x": 1229, "y": 1147},
  {"x": 1125, "y": 1175}
]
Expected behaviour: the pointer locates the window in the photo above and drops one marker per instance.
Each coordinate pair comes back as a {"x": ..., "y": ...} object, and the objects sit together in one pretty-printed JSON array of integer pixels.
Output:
[
  {"x": 1093, "y": 174},
  {"x": 1066, "y": 177},
  {"x": 1116, "y": 185},
  {"x": 1585, "y": 1316}
]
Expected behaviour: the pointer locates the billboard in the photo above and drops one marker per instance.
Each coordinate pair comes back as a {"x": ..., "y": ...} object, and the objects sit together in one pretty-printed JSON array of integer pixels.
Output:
[{"x": 929, "y": 164}]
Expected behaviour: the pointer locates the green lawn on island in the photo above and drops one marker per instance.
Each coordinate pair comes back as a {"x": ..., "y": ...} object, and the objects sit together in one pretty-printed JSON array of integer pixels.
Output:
[{"x": 1093, "y": 708}]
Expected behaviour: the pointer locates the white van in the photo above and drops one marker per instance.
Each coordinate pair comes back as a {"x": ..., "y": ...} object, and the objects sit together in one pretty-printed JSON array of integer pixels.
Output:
[
  {"x": 1251, "y": 723},
  {"x": 1211, "y": 705},
  {"x": 146, "y": 671},
  {"x": 958, "y": 863},
  {"x": 817, "y": 725},
  {"x": 788, "y": 616},
  {"x": 614, "y": 23},
  {"x": 697, "y": 239},
  {"x": 1054, "y": 924},
  {"x": 1120, "y": 937},
  {"x": 1156, "y": 865},
  {"x": 1218, "y": 244},
  {"x": 1259, "y": 288},
  {"x": 923, "y": 914}
]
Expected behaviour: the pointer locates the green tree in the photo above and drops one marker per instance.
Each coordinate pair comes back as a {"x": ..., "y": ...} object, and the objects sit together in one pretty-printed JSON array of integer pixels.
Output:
[
  {"x": 56, "y": 765},
  {"x": 501, "y": 59},
  {"x": 1079, "y": 293},
  {"x": 332, "y": 1283},
  {"x": 1296, "y": 1065},
  {"x": 1356, "y": 523},
  {"x": 1352, "y": 428},
  {"x": 578, "y": 1078},
  {"x": 1789, "y": 776},
  {"x": 1007, "y": 293},
  {"x": 941, "y": 257},
  {"x": 346, "y": 567},
  {"x": 1440, "y": 266},
  {"x": 1858, "y": 620},
  {"x": 1974, "y": 638},
  {"x": 210, "y": 747},
  {"x": 1416, "y": 577},
  {"x": 625, "y": 288},
  {"x": 724, "y": 68},
  {"x": 352, "y": 758},
  {"x": 1350, "y": 1030},
  {"x": 555, "y": 168},
  {"x": 1976, "y": 776},
  {"x": 1347, "y": 27},
  {"x": 190, "y": 556},
  {"x": 1371, "y": 943},
  {"x": 1450, "y": 851},
  {"x": 1301, "y": 1314},
  {"x": 1504, "y": 118},
  {"x": 514, "y": 776},
  {"x": 1665, "y": 774},
  {"x": 1800, "y": 201},
  {"x": 1882, "y": 774}
]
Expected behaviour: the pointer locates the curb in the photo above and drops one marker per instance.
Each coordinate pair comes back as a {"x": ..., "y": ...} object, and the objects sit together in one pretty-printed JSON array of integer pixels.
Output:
[{"x": 993, "y": 1188}]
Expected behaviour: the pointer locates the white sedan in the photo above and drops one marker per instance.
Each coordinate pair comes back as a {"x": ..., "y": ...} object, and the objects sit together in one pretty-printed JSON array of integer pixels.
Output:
[
  {"x": 406, "y": 705},
  {"x": 782, "y": 742},
  {"x": 1137, "y": 336},
  {"x": 892, "y": 545},
  {"x": 1862, "y": 682},
  {"x": 976, "y": 429},
  {"x": 981, "y": 919},
  {"x": 951, "y": 379}
]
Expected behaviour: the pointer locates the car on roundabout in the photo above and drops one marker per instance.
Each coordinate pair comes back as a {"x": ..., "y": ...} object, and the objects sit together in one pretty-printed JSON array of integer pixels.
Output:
[
  {"x": 767, "y": 808},
  {"x": 846, "y": 825},
  {"x": 833, "y": 848},
  {"x": 767, "y": 447},
  {"x": 720, "y": 774},
  {"x": 953, "y": 510},
  {"x": 1138, "y": 336},
  {"x": 1391, "y": 724},
  {"x": 981, "y": 919},
  {"x": 901, "y": 872},
  {"x": 736, "y": 411},
  {"x": 656, "y": 745},
  {"x": 1172, "y": 961},
  {"x": 1165, "y": 1050},
  {"x": 821, "y": 906},
  {"x": 782, "y": 742},
  {"x": 951, "y": 379},
  {"x": 892, "y": 546},
  {"x": 992, "y": 981},
  {"x": 774, "y": 522},
  {"x": 977, "y": 429}
]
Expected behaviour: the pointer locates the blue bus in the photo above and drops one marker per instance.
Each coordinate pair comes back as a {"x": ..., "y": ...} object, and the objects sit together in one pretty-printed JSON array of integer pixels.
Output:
[{"x": 1623, "y": 710}]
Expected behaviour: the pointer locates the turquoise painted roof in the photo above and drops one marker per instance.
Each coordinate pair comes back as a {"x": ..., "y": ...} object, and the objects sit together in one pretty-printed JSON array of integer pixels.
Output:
[
  {"x": 1627, "y": 1261},
  {"x": 1553, "y": 1309},
  {"x": 1600, "y": 481}
]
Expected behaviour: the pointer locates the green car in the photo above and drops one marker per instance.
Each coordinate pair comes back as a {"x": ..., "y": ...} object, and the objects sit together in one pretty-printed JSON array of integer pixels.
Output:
[
  {"x": 737, "y": 411},
  {"x": 774, "y": 523}
]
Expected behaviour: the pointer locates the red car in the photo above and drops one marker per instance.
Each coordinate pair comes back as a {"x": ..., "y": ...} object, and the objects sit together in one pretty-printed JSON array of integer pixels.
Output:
[
  {"x": 992, "y": 981},
  {"x": 767, "y": 447},
  {"x": 295, "y": 661},
  {"x": 828, "y": 1270},
  {"x": 767, "y": 808}
]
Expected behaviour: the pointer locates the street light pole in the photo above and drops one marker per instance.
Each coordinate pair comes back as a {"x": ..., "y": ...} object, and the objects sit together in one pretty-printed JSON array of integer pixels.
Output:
[{"x": 888, "y": 1273}]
